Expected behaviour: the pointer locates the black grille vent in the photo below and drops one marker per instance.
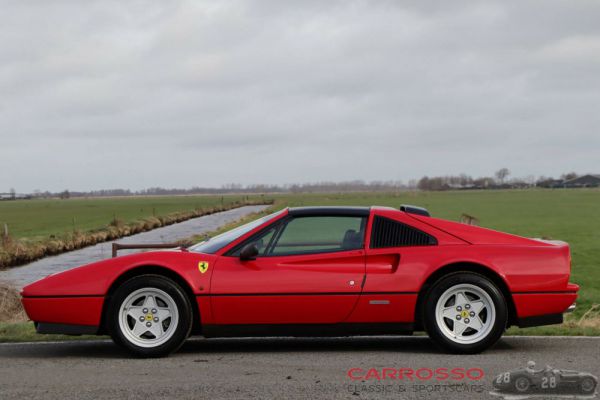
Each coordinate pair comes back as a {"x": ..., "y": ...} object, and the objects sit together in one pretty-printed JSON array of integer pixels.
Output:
[{"x": 389, "y": 233}]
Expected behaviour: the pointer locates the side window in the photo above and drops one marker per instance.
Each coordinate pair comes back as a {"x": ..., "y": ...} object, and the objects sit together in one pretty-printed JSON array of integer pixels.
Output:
[
  {"x": 322, "y": 234},
  {"x": 262, "y": 242},
  {"x": 390, "y": 233}
]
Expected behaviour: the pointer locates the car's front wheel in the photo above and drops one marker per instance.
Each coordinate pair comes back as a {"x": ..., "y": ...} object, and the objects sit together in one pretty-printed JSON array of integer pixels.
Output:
[
  {"x": 149, "y": 315},
  {"x": 465, "y": 312},
  {"x": 522, "y": 384}
]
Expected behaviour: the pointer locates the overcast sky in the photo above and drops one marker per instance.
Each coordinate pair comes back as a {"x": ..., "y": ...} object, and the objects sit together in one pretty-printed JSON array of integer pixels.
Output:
[{"x": 136, "y": 94}]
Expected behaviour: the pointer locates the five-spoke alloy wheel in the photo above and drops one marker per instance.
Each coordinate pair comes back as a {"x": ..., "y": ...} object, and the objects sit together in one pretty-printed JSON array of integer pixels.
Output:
[
  {"x": 465, "y": 312},
  {"x": 149, "y": 315}
]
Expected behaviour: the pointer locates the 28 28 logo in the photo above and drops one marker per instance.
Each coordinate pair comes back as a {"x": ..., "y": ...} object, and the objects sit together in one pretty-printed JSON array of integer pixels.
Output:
[{"x": 547, "y": 380}]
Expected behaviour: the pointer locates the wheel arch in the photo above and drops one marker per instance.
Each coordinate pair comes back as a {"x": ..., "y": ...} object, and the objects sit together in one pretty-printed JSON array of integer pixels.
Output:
[
  {"x": 464, "y": 267},
  {"x": 152, "y": 270}
]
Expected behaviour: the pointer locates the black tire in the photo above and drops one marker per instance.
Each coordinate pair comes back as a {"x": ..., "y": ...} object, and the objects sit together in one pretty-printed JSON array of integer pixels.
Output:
[
  {"x": 587, "y": 385},
  {"x": 522, "y": 384},
  {"x": 437, "y": 290},
  {"x": 181, "y": 300}
]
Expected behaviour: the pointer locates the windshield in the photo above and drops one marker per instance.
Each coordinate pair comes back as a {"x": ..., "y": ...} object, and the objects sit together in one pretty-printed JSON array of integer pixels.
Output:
[{"x": 212, "y": 245}]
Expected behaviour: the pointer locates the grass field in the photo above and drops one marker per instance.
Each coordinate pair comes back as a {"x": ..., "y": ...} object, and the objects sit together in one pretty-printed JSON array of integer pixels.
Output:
[
  {"x": 39, "y": 219},
  {"x": 565, "y": 214}
]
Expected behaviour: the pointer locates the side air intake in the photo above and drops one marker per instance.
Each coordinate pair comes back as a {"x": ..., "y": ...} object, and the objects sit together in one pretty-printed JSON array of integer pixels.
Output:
[
  {"x": 414, "y": 210},
  {"x": 390, "y": 233}
]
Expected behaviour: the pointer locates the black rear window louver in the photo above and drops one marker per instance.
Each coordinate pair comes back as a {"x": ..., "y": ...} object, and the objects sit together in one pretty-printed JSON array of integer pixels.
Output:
[{"x": 389, "y": 233}]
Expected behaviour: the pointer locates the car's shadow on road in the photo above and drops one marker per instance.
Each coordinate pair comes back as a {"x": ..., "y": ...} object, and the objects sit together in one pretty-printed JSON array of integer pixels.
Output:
[
  {"x": 106, "y": 349},
  {"x": 301, "y": 344},
  {"x": 397, "y": 344}
]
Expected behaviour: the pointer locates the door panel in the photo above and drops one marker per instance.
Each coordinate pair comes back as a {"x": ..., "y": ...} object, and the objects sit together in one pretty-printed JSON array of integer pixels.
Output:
[
  {"x": 311, "y": 288},
  {"x": 388, "y": 307},
  {"x": 282, "y": 309},
  {"x": 396, "y": 258}
]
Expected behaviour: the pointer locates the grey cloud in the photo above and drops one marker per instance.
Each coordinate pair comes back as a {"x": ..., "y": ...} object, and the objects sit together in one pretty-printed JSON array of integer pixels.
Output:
[{"x": 136, "y": 94}]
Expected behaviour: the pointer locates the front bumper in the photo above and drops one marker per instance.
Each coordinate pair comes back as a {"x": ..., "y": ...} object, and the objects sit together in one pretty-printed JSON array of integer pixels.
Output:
[
  {"x": 65, "y": 329},
  {"x": 67, "y": 310}
]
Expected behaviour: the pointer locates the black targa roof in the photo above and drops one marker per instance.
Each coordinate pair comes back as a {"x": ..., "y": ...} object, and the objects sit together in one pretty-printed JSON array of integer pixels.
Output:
[{"x": 348, "y": 211}]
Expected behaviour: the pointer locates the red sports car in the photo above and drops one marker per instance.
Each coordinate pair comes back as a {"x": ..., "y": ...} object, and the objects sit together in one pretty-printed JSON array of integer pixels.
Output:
[{"x": 317, "y": 271}]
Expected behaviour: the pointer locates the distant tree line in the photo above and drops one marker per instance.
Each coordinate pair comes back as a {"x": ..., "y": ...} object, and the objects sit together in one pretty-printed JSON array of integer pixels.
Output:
[
  {"x": 464, "y": 181},
  {"x": 500, "y": 180},
  {"x": 233, "y": 188}
]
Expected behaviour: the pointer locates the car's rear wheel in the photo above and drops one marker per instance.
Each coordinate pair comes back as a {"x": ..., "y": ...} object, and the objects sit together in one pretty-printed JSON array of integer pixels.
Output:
[
  {"x": 149, "y": 315},
  {"x": 465, "y": 312},
  {"x": 588, "y": 385}
]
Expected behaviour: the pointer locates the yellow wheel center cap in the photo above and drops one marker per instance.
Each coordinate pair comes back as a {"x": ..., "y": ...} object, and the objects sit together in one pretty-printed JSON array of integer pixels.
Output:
[
  {"x": 149, "y": 317},
  {"x": 464, "y": 314}
]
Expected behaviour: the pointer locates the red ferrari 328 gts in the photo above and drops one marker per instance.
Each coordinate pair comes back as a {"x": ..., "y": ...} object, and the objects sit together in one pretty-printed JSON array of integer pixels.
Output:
[{"x": 317, "y": 271}]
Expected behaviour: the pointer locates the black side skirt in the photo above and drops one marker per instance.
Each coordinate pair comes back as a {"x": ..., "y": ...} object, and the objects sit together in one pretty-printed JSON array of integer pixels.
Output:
[
  {"x": 539, "y": 320},
  {"x": 65, "y": 329},
  {"x": 304, "y": 330}
]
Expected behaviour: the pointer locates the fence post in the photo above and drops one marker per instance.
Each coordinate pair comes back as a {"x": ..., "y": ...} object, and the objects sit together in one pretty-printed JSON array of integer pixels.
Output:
[{"x": 4, "y": 241}]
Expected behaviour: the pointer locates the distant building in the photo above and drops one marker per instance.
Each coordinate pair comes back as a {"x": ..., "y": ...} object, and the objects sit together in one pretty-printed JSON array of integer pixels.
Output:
[
  {"x": 551, "y": 183},
  {"x": 14, "y": 196},
  {"x": 460, "y": 186},
  {"x": 589, "y": 180}
]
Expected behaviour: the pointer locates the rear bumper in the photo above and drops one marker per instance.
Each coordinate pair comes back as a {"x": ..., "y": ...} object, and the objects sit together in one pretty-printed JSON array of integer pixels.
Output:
[
  {"x": 540, "y": 320},
  {"x": 544, "y": 308}
]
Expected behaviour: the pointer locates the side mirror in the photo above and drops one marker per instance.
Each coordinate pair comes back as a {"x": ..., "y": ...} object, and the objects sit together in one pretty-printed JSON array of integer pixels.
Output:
[{"x": 249, "y": 252}]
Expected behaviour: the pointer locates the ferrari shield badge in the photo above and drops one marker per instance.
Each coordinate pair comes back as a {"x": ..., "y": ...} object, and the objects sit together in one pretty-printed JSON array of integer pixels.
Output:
[{"x": 203, "y": 266}]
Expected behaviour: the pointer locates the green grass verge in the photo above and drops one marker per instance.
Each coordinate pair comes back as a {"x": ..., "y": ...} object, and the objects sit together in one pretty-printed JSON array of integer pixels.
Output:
[
  {"x": 554, "y": 330},
  {"x": 25, "y": 332}
]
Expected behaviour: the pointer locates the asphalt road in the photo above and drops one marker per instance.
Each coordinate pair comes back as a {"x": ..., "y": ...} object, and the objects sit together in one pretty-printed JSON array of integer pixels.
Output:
[{"x": 271, "y": 368}]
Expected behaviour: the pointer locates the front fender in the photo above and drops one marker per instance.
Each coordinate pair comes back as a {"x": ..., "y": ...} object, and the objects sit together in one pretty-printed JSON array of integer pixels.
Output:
[{"x": 95, "y": 279}]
